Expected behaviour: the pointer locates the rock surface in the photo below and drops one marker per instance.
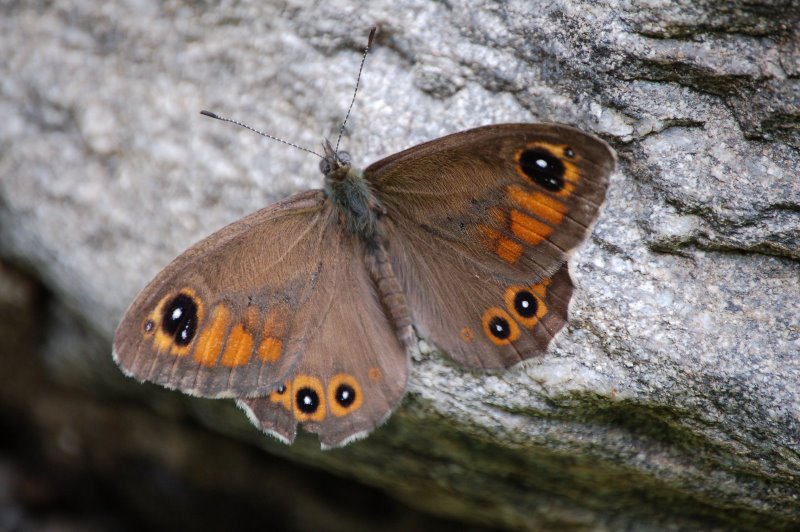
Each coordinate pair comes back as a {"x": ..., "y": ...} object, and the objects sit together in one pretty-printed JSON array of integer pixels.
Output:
[{"x": 673, "y": 397}]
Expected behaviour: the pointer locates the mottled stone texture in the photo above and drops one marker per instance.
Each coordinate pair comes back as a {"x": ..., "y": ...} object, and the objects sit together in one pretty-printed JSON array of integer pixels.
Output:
[{"x": 672, "y": 399}]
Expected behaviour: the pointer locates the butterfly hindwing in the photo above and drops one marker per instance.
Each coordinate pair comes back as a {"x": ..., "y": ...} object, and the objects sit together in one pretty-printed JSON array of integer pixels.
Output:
[
  {"x": 353, "y": 371},
  {"x": 480, "y": 322}
]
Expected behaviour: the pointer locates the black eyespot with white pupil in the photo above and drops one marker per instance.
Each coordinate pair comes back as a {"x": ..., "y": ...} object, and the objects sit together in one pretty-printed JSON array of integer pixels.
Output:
[
  {"x": 307, "y": 400},
  {"x": 545, "y": 169},
  {"x": 525, "y": 304},
  {"x": 179, "y": 319},
  {"x": 499, "y": 328},
  {"x": 345, "y": 395}
]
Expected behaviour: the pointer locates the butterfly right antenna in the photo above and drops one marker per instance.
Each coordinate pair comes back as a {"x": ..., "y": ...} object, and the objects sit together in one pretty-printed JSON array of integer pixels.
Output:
[{"x": 355, "y": 91}]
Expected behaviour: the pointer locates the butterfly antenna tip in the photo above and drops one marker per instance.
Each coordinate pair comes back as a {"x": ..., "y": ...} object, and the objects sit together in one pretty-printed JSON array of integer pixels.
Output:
[{"x": 371, "y": 38}]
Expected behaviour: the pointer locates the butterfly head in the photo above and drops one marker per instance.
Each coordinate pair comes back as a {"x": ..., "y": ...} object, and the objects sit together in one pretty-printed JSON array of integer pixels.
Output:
[{"x": 335, "y": 165}]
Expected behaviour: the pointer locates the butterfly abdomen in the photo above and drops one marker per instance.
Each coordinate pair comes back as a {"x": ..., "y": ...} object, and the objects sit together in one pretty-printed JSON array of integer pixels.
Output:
[{"x": 392, "y": 297}]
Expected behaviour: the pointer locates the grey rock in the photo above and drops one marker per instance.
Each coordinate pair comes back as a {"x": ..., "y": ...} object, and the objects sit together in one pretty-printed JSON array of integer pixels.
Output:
[{"x": 673, "y": 398}]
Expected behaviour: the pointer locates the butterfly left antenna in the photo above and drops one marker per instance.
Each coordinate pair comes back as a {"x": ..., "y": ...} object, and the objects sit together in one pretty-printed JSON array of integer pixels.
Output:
[
  {"x": 355, "y": 91},
  {"x": 232, "y": 121}
]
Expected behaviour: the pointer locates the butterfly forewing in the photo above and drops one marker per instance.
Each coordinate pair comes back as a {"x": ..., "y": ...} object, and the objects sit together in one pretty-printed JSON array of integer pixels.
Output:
[
  {"x": 228, "y": 316},
  {"x": 512, "y": 199}
]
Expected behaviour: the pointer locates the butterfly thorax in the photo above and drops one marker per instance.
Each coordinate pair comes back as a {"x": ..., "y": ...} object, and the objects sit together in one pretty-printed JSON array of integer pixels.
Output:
[{"x": 358, "y": 207}]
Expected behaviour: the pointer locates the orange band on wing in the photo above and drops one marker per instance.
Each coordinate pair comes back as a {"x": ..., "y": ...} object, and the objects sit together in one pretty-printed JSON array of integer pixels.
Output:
[
  {"x": 239, "y": 347},
  {"x": 543, "y": 206},
  {"x": 503, "y": 247},
  {"x": 541, "y": 288},
  {"x": 270, "y": 349},
  {"x": 274, "y": 328},
  {"x": 508, "y": 250},
  {"x": 529, "y": 230},
  {"x": 212, "y": 338}
]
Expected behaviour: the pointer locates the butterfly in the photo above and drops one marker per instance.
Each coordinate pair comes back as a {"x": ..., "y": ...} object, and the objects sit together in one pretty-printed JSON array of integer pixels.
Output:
[{"x": 306, "y": 311}]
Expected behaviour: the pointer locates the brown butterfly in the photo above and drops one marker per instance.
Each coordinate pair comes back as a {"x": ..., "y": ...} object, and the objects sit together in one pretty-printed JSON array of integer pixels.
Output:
[{"x": 305, "y": 311}]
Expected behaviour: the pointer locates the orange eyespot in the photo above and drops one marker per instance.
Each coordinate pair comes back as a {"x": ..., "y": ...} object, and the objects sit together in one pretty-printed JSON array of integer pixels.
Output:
[
  {"x": 374, "y": 374},
  {"x": 308, "y": 398},
  {"x": 548, "y": 166},
  {"x": 524, "y": 305},
  {"x": 499, "y": 326},
  {"x": 466, "y": 334},
  {"x": 282, "y": 395},
  {"x": 175, "y": 321},
  {"x": 344, "y": 394}
]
